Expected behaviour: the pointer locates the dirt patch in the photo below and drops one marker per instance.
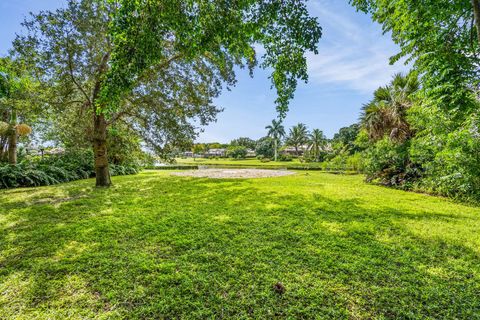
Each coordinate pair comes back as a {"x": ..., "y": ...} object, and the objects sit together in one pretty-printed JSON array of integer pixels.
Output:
[{"x": 233, "y": 173}]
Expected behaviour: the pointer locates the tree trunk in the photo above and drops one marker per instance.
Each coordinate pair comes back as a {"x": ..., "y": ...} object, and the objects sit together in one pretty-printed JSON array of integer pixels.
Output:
[
  {"x": 12, "y": 139},
  {"x": 4, "y": 148},
  {"x": 12, "y": 146},
  {"x": 102, "y": 173},
  {"x": 476, "y": 13},
  {"x": 276, "y": 149}
]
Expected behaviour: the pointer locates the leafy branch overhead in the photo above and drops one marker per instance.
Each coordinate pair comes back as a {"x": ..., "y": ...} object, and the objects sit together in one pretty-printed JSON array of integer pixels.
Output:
[
  {"x": 440, "y": 38},
  {"x": 152, "y": 33}
]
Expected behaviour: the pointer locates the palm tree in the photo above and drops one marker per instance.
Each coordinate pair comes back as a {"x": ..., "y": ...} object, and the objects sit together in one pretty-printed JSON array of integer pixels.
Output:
[
  {"x": 316, "y": 142},
  {"x": 298, "y": 136},
  {"x": 386, "y": 114},
  {"x": 276, "y": 131}
]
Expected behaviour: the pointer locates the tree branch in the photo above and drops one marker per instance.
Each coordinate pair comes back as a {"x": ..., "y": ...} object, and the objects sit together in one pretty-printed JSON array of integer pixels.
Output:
[
  {"x": 72, "y": 76},
  {"x": 102, "y": 68}
]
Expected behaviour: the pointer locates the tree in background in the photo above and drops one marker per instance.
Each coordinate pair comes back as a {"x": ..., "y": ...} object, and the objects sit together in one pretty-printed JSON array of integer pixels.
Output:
[
  {"x": 198, "y": 148},
  {"x": 297, "y": 137},
  {"x": 214, "y": 145},
  {"x": 386, "y": 123},
  {"x": 316, "y": 143},
  {"x": 266, "y": 147},
  {"x": 244, "y": 142},
  {"x": 344, "y": 139},
  {"x": 276, "y": 131},
  {"x": 237, "y": 152}
]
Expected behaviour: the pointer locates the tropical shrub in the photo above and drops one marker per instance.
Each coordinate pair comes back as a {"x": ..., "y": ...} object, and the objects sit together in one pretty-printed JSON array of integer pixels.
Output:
[
  {"x": 389, "y": 163},
  {"x": 355, "y": 163},
  {"x": 338, "y": 162}
]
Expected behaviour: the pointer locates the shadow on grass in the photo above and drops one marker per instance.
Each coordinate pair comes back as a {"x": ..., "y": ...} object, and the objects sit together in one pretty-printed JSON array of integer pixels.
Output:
[{"x": 199, "y": 248}]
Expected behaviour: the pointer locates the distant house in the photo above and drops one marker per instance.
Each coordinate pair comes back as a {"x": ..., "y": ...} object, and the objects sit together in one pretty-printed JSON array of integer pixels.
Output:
[
  {"x": 293, "y": 152},
  {"x": 304, "y": 148},
  {"x": 216, "y": 153},
  {"x": 251, "y": 153},
  {"x": 54, "y": 151},
  {"x": 41, "y": 151},
  {"x": 188, "y": 154}
]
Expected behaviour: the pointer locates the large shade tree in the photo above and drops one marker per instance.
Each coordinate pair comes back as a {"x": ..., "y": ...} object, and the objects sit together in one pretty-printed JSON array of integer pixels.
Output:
[
  {"x": 156, "y": 65},
  {"x": 150, "y": 33}
]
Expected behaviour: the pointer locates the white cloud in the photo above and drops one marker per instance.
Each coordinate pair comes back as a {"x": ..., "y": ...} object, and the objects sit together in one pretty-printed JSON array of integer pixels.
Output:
[{"x": 352, "y": 53}]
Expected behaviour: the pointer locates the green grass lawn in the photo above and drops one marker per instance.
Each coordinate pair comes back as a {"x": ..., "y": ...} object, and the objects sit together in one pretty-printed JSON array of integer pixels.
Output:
[
  {"x": 245, "y": 162},
  {"x": 157, "y": 246}
]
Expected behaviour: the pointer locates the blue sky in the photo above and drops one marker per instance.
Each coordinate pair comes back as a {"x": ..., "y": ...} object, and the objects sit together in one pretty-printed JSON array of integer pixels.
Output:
[{"x": 352, "y": 62}]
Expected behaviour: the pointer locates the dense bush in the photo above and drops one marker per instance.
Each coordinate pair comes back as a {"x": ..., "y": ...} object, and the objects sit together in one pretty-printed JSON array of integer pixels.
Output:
[
  {"x": 389, "y": 163},
  {"x": 38, "y": 171},
  {"x": 284, "y": 157},
  {"x": 450, "y": 155},
  {"x": 237, "y": 152},
  {"x": 355, "y": 163},
  {"x": 345, "y": 162}
]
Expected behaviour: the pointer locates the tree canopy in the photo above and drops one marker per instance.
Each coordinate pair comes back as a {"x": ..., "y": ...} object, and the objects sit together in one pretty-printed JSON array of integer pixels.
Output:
[{"x": 150, "y": 33}]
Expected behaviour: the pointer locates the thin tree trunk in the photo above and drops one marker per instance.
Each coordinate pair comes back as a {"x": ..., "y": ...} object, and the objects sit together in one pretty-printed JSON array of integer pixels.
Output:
[
  {"x": 102, "y": 173},
  {"x": 4, "y": 140},
  {"x": 476, "y": 13},
  {"x": 276, "y": 149},
  {"x": 3, "y": 148},
  {"x": 12, "y": 139},
  {"x": 12, "y": 146}
]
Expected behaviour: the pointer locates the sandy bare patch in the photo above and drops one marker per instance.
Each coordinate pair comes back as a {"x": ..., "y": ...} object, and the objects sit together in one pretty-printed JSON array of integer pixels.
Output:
[{"x": 233, "y": 173}]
